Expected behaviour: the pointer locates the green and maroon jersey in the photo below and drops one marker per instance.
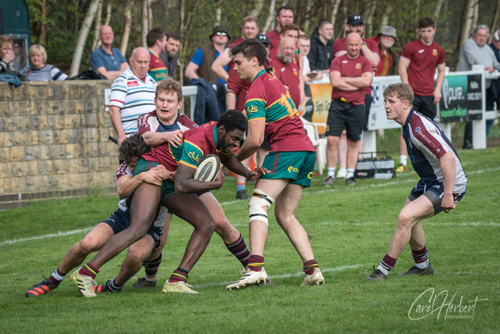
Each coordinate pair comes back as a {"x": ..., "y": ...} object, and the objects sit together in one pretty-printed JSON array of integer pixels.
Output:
[{"x": 268, "y": 99}]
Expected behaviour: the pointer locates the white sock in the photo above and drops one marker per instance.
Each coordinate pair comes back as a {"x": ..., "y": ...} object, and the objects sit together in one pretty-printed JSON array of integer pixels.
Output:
[
  {"x": 383, "y": 270},
  {"x": 350, "y": 173},
  {"x": 403, "y": 159},
  {"x": 331, "y": 171},
  {"x": 423, "y": 265}
]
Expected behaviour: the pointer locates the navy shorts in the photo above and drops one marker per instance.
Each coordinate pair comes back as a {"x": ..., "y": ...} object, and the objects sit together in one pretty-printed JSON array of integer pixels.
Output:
[
  {"x": 434, "y": 193},
  {"x": 120, "y": 221},
  {"x": 345, "y": 115}
]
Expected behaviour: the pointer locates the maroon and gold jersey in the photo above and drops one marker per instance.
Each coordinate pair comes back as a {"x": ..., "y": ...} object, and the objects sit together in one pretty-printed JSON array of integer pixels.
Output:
[
  {"x": 291, "y": 72},
  {"x": 352, "y": 68},
  {"x": 267, "y": 99},
  {"x": 423, "y": 62}
]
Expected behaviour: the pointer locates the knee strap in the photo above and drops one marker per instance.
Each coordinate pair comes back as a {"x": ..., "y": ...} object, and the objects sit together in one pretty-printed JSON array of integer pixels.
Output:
[{"x": 256, "y": 206}]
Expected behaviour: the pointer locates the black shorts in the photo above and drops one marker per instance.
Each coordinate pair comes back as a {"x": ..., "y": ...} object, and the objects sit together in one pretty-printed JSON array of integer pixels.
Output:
[
  {"x": 345, "y": 115},
  {"x": 368, "y": 105},
  {"x": 425, "y": 105}
]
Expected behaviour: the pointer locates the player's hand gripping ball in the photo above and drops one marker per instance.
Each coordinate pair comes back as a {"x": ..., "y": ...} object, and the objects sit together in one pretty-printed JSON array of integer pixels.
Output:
[{"x": 208, "y": 168}]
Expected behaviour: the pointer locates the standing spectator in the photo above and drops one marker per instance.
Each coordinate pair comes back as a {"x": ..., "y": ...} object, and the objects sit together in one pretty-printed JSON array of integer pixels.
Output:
[
  {"x": 201, "y": 63},
  {"x": 132, "y": 94},
  {"x": 6, "y": 54},
  {"x": 417, "y": 65},
  {"x": 475, "y": 51},
  {"x": 107, "y": 60},
  {"x": 306, "y": 73},
  {"x": 39, "y": 69},
  {"x": 284, "y": 16},
  {"x": 385, "y": 40},
  {"x": 286, "y": 62},
  {"x": 495, "y": 84},
  {"x": 223, "y": 62},
  {"x": 170, "y": 56},
  {"x": 290, "y": 146},
  {"x": 442, "y": 181},
  {"x": 287, "y": 30},
  {"x": 156, "y": 40},
  {"x": 369, "y": 50},
  {"x": 321, "y": 54},
  {"x": 350, "y": 74}
]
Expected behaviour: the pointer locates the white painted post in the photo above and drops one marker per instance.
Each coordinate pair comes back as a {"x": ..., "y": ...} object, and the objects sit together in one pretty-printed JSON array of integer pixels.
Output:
[{"x": 479, "y": 126}]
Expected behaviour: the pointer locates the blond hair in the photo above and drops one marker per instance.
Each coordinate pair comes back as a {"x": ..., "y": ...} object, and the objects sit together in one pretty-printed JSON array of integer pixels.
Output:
[
  {"x": 169, "y": 85},
  {"x": 37, "y": 48}
]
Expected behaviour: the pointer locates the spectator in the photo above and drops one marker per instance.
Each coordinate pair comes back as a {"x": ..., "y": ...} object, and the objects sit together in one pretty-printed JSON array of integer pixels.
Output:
[
  {"x": 132, "y": 94},
  {"x": 369, "y": 50},
  {"x": 350, "y": 74},
  {"x": 6, "y": 54},
  {"x": 385, "y": 40},
  {"x": 223, "y": 62},
  {"x": 170, "y": 56},
  {"x": 417, "y": 65},
  {"x": 495, "y": 84},
  {"x": 475, "y": 51},
  {"x": 287, "y": 63},
  {"x": 201, "y": 63},
  {"x": 284, "y": 16},
  {"x": 39, "y": 69},
  {"x": 287, "y": 30},
  {"x": 306, "y": 73},
  {"x": 156, "y": 40},
  {"x": 321, "y": 54},
  {"x": 106, "y": 60}
]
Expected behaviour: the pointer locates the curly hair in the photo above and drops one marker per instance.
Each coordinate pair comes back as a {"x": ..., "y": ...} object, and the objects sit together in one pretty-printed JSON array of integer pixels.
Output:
[
  {"x": 250, "y": 48},
  {"x": 169, "y": 85},
  {"x": 133, "y": 146},
  {"x": 233, "y": 119}
]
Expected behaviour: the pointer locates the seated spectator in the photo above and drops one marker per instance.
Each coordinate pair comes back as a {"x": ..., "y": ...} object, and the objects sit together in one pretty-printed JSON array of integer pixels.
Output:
[
  {"x": 39, "y": 69},
  {"x": 6, "y": 54},
  {"x": 106, "y": 60}
]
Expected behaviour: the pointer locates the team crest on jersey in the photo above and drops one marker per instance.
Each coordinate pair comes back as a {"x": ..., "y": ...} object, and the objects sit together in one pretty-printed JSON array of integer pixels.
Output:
[
  {"x": 295, "y": 72},
  {"x": 358, "y": 66},
  {"x": 294, "y": 61},
  {"x": 194, "y": 156},
  {"x": 252, "y": 109},
  {"x": 132, "y": 83},
  {"x": 434, "y": 52}
]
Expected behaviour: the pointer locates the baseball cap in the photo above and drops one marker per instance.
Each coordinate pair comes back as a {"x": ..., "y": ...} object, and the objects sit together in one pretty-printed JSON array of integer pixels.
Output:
[
  {"x": 263, "y": 39},
  {"x": 355, "y": 19},
  {"x": 217, "y": 29},
  {"x": 388, "y": 31},
  {"x": 496, "y": 35}
]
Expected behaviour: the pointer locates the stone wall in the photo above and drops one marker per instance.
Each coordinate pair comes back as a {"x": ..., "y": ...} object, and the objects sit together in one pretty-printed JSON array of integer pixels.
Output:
[{"x": 54, "y": 141}]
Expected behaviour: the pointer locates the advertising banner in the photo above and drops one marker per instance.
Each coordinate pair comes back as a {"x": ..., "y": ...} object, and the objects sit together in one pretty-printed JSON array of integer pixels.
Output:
[{"x": 462, "y": 98}]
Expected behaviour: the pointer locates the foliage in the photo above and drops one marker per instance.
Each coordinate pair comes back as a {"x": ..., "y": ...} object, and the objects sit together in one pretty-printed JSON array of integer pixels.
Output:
[{"x": 349, "y": 228}]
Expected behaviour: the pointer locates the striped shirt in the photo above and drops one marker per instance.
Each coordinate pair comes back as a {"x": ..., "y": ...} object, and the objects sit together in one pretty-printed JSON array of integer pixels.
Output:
[
  {"x": 426, "y": 143},
  {"x": 134, "y": 97},
  {"x": 46, "y": 73}
]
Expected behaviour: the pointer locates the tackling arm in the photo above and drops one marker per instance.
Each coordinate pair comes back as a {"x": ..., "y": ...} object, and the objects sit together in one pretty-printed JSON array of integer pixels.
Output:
[{"x": 255, "y": 137}]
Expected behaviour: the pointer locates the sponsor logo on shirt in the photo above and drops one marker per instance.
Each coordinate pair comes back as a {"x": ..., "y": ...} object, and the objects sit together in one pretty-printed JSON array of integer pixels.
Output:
[
  {"x": 344, "y": 61},
  {"x": 194, "y": 156},
  {"x": 434, "y": 52},
  {"x": 252, "y": 109},
  {"x": 132, "y": 83},
  {"x": 292, "y": 169},
  {"x": 421, "y": 51}
]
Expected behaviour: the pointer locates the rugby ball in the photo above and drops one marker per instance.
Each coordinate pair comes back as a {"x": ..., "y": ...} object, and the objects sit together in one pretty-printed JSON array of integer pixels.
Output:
[{"x": 208, "y": 168}]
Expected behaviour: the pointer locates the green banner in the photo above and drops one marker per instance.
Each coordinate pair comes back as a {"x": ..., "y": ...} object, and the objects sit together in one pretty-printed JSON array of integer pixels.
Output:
[{"x": 462, "y": 98}]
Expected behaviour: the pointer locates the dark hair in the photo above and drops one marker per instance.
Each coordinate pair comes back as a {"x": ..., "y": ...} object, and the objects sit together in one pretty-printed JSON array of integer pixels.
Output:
[
  {"x": 233, "y": 119},
  {"x": 426, "y": 22},
  {"x": 173, "y": 35},
  {"x": 153, "y": 35},
  {"x": 250, "y": 48},
  {"x": 290, "y": 26},
  {"x": 133, "y": 146},
  {"x": 283, "y": 8}
]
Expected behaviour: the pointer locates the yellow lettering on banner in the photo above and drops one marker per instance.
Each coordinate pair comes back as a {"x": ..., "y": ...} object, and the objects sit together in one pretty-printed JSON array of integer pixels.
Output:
[
  {"x": 194, "y": 156},
  {"x": 286, "y": 103}
]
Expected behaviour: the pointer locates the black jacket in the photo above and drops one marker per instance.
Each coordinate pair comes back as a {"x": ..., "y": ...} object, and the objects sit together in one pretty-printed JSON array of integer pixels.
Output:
[{"x": 321, "y": 55}]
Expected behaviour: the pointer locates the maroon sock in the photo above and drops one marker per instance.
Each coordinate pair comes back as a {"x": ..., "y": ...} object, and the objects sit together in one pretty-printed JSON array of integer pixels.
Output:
[
  {"x": 89, "y": 270},
  {"x": 255, "y": 263}
]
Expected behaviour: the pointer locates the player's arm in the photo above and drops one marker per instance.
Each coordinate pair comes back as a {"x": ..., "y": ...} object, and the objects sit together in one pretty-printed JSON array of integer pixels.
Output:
[
  {"x": 365, "y": 80},
  {"x": 185, "y": 182},
  {"x": 116, "y": 121},
  {"x": 404, "y": 63},
  {"x": 126, "y": 185},
  {"x": 448, "y": 168},
  {"x": 219, "y": 63},
  {"x": 154, "y": 139},
  {"x": 230, "y": 100},
  {"x": 372, "y": 57},
  {"x": 191, "y": 71},
  {"x": 233, "y": 164},
  {"x": 338, "y": 82},
  {"x": 340, "y": 53},
  {"x": 439, "y": 82},
  {"x": 255, "y": 137}
]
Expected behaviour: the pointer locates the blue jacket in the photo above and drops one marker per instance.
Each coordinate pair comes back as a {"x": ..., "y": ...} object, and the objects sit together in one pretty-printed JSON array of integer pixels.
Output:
[{"x": 209, "y": 104}]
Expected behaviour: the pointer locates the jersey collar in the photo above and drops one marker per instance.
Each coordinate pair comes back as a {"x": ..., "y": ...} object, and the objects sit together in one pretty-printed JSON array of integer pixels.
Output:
[
  {"x": 216, "y": 139},
  {"x": 258, "y": 75}
]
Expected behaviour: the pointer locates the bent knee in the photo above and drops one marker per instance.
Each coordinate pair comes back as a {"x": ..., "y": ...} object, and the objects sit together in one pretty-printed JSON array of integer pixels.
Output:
[{"x": 88, "y": 245}]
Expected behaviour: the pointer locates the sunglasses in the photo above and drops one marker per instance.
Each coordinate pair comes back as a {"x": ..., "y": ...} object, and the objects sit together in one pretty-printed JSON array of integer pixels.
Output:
[{"x": 221, "y": 33}]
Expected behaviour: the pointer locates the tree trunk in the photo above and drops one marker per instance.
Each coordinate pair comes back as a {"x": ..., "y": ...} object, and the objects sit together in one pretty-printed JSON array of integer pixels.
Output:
[
  {"x": 145, "y": 21},
  {"x": 417, "y": 12},
  {"x": 465, "y": 27},
  {"x": 82, "y": 37},
  {"x": 43, "y": 27},
  {"x": 218, "y": 12},
  {"x": 476, "y": 15},
  {"x": 108, "y": 12},
  {"x": 369, "y": 21},
  {"x": 270, "y": 18},
  {"x": 126, "y": 27},
  {"x": 437, "y": 10},
  {"x": 97, "y": 26},
  {"x": 257, "y": 8},
  {"x": 494, "y": 21},
  {"x": 385, "y": 16},
  {"x": 335, "y": 8}
]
